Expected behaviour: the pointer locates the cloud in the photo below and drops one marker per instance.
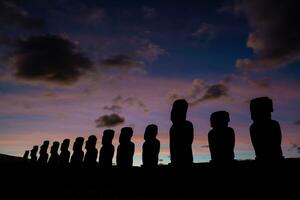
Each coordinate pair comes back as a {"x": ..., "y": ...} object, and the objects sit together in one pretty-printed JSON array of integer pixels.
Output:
[
  {"x": 297, "y": 123},
  {"x": 109, "y": 120},
  {"x": 113, "y": 108},
  {"x": 119, "y": 102},
  {"x": 274, "y": 36},
  {"x": 49, "y": 58},
  {"x": 149, "y": 12},
  {"x": 198, "y": 86},
  {"x": 212, "y": 92},
  {"x": 12, "y": 14},
  {"x": 150, "y": 52},
  {"x": 200, "y": 91},
  {"x": 205, "y": 30},
  {"x": 123, "y": 61}
]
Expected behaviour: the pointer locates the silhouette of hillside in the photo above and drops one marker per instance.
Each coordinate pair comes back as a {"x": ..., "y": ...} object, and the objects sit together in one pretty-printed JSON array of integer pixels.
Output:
[
  {"x": 241, "y": 180},
  {"x": 7, "y": 159}
]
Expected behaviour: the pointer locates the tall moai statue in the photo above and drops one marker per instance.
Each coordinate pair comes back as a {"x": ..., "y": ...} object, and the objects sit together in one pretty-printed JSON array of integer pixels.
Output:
[
  {"x": 221, "y": 138},
  {"x": 43, "y": 159},
  {"x": 107, "y": 150},
  {"x": 265, "y": 133},
  {"x": 90, "y": 158},
  {"x": 125, "y": 149},
  {"x": 54, "y": 157},
  {"x": 33, "y": 152},
  {"x": 151, "y": 147},
  {"x": 77, "y": 156},
  {"x": 64, "y": 156},
  {"x": 181, "y": 135}
]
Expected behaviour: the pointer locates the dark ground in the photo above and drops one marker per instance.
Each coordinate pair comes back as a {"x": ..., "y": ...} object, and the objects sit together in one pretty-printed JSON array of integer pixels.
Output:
[{"x": 246, "y": 180}]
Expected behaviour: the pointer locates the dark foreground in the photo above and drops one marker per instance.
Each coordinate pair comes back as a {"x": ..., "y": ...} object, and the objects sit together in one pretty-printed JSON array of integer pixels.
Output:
[{"x": 245, "y": 180}]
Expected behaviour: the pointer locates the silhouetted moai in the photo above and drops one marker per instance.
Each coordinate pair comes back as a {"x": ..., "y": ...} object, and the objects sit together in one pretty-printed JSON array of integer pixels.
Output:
[
  {"x": 265, "y": 132},
  {"x": 125, "y": 149},
  {"x": 33, "y": 152},
  {"x": 25, "y": 156},
  {"x": 54, "y": 157},
  {"x": 221, "y": 138},
  {"x": 43, "y": 159},
  {"x": 107, "y": 150},
  {"x": 64, "y": 156},
  {"x": 181, "y": 135},
  {"x": 77, "y": 156},
  {"x": 151, "y": 147},
  {"x": 90, "y": 158}
]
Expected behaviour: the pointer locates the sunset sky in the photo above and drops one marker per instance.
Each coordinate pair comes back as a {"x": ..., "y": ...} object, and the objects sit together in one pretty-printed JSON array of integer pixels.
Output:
[{"x": 72, "y": 68}]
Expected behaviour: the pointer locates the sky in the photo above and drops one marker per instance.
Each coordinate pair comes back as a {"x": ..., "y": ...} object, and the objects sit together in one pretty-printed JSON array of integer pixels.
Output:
[{"x": 75, "y": 68}]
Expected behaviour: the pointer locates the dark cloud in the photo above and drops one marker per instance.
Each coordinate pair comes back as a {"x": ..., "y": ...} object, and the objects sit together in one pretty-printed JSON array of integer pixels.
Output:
[
  {"x": 296, "y": 122},
  {"x": 212, "y": 92},
  {"x": 12, "y": 14},
  {"x": 49, "y": 58},
  {"x": 109, "y": 120},
  {"x": 200, "y": 91},
  {"x": 215, "y": 91},
  {"x": 274, "y": 35},
  {"x": 122, "y": 61}
]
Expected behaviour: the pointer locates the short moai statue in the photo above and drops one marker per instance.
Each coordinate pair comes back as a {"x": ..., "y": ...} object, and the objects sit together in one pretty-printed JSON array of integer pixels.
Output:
[
  {"x": 77, "y": 156},
  {"x": 125, "y": 149},
  {"x": 43, "y": 159},
  {"x": 26, "y": 155},
  {"x": 54, "y": 157},
  {"x": 151, "y": 147},
  {"x": 64, "y": 156},
  {"x": 221, "y": 138},
  {"x": 90, "y": 158},
  {"x": 107, "y": 150},
  {"x": 265, "y": 133},
  {"x": 33, "y": 152}
]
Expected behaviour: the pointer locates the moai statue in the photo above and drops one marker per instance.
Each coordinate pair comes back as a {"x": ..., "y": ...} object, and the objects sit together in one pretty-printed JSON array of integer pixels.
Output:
[
  {"x": 33, "y": 152},
  {"x": 151, "y": 147},
  {"x": 25, "y": 156},
  {"x": 181, "y": 135},
  {"x": 54, "y": 157},
  {"x": 90, "y": 158},
  {"x": 43, "y": 159},
  {"x": 107, "y": 150},
  {"x": 77, "y": 156},
  {"x": 221, "y": 138},
  {"x": 64, "y": 156},
  {"x": 265, "y": 133},
  {"x": 125, "y": 149}
]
